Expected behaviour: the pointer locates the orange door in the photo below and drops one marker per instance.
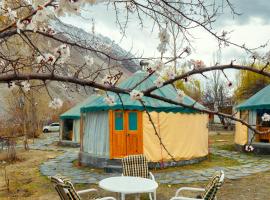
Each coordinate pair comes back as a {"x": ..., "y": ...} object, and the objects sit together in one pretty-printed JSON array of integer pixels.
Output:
[
  {"x": 118, "y": 134},
  {"x": 125, "y": 133},
  {"x": 134, "y": 132}
]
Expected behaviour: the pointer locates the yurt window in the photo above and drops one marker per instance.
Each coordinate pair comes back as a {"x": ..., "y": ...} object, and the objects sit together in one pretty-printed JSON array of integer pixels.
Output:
[
  {"x": 260, "y": 122},
  {"x": 119, "y": 121},
  {"x": 133, "y": 121}
]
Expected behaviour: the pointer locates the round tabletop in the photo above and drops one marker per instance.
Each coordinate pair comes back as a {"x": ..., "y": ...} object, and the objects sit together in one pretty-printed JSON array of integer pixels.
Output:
[{"x": 128, "y": 184}]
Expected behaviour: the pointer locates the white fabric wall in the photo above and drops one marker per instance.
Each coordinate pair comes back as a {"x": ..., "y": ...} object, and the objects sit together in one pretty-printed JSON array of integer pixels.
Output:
[
  {"x": 252, "y": 118},
  {"x": 96, "y": 134},
  {"x": 76, "y": 131}
]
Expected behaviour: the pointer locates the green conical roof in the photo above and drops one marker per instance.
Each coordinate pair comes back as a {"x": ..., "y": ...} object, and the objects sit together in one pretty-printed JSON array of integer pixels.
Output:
[
  {"x": 151, "y": 104},
  {"x": 260, "y": 100},
  {"x": 74, "y": 112}
]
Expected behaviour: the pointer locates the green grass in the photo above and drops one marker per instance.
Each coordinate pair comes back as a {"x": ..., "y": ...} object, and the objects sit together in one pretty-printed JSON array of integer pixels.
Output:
[
  {"x": 227, "y": 147},
  {"x": 212, "y": 161}
]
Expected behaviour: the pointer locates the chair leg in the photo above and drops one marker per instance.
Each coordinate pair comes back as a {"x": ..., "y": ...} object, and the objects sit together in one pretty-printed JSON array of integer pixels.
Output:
[
  {"x": 154, "y": 195},
  {"x": 122, "y": 196}
]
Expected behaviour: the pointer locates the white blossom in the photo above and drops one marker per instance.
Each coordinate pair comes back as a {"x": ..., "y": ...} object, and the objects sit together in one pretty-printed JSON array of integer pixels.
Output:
[
  {"x": 40, "y": 20},
  {"x": 20, "y": 26},
  {"x": 136, "y": 95},
  {"x": 12, "y": 85},
  {"x": 158, "y": 65},
  {"x": 89, "y": 60},
  {"x": 26, "y": 86},
  {"x": 249, "y": 148},
  {"x": 56, "y": 103},
  {"x": 169, "y": 73},
  {"x": 46, "y": 58},
  {"x": 159, "y": 82},
  {"x": 266, "y": 117},
  {"x": 110, "y": 100},
  {"x": 109, "y": 80},
  {"x": 180, "y": 96},
  {"x": 12, "y": 14},
  {"x": 68, "y": 7},
  {"x": 62, "y": 52},
  {"x": 197, "y": 64}
]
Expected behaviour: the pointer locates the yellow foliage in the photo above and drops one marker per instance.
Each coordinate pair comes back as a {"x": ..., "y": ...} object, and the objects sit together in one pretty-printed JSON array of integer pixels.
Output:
[
  {"x": 191, "y": 88},
  {"x": 249, "y": 83}
]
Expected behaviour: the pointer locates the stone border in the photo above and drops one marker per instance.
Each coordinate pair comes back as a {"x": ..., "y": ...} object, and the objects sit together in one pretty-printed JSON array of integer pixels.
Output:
[
  {"x": 67, "y": 143},
  {"x": 87, "y": 159},
  {"x": 259, "y": 148}
]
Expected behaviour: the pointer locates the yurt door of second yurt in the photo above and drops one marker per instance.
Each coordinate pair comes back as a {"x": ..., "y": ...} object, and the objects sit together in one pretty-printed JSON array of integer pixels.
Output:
[{"x": 125, "y": 134}]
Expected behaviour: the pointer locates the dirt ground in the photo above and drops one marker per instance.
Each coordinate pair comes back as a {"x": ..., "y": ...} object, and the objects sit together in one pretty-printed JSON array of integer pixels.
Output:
[{"x": 27, "y": 183}]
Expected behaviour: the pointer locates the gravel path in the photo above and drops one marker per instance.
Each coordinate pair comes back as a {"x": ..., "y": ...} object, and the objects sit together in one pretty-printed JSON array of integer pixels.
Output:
[{"x": 63, "y": 165}]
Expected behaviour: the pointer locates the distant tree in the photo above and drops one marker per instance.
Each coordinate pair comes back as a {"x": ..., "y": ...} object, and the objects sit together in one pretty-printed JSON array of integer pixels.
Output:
[
  {"x": 217, "y": 95},
  {"x": 249, "y": 83},
  {"x": 191, "y": 88}
]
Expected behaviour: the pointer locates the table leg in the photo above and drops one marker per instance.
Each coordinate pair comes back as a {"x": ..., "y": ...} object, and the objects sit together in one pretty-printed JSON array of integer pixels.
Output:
[
  {"x": 155, "y": 195},
  {"x": 137, "y": 196}
]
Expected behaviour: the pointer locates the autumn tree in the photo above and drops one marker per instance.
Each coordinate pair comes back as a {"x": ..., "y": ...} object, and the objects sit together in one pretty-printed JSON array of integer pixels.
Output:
[{"x": 249, "y": 83}]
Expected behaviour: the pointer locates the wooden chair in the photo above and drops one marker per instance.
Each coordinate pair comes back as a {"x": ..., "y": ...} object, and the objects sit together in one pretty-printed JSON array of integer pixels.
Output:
[
  {"x": 66, "y": 190},
  {"x": 137, "y": 165},
  {"x": 208, "y": 193}
]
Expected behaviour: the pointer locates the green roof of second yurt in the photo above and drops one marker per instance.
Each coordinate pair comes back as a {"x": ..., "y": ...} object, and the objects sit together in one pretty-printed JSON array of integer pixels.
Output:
[
  {"x": 74, "y": 112},
  {"x": 151, "y": 104},
  {"x": 260, "y": 100}
]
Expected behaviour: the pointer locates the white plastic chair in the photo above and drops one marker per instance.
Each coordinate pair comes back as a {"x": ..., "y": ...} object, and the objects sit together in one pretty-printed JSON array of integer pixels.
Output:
[{"x": 207, "y": 193}]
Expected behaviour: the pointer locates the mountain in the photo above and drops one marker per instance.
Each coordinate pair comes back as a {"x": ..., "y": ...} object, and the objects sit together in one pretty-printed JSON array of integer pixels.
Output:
[{"x": 73, "y": 34}]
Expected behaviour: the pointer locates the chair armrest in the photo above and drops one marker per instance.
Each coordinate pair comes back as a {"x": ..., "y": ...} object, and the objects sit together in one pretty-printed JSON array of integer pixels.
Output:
[
  {"x": 107, "y": 198},
  {"x": 189, "y": 189},
  {"x": 184, "y": 198},
  {"x": 151, "y": 176},
  {"x": 86, "y": 191}
]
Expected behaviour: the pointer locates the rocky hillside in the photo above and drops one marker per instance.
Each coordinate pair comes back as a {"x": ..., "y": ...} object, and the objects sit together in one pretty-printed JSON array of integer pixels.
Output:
[{"x": 79, "y": 36}]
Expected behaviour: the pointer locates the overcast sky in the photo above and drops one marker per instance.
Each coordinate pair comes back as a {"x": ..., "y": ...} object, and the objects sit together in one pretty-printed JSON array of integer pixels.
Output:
[{"x": 251, "y": 28}]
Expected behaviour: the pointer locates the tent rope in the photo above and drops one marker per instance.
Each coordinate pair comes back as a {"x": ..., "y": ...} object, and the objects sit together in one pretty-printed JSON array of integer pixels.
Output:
[{"x": 161, "y": 154}]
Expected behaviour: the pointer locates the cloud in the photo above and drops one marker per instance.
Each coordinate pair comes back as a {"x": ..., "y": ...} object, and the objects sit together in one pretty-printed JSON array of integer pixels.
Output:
[
  {"x": 248, "y": 9},
  {"x": 252, "y": 31}
]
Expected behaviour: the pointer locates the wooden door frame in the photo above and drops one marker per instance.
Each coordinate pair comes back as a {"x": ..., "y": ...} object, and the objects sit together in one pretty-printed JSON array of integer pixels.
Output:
[{"x": 125, "y": 115}]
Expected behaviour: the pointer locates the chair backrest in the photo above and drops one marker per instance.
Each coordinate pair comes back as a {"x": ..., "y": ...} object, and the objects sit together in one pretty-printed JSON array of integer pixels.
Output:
[
  {"x": 64, "y": 188},
  {"x": 135, "y": 165},
  {"x": 213, "y": 186}
]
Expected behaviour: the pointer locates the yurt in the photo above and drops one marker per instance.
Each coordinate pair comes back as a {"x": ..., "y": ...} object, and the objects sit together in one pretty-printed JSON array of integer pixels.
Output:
[
  {"x": 112, "y": 132},
  {"x": 70, "y": 124},
  {"x": 252, "y": 111}
]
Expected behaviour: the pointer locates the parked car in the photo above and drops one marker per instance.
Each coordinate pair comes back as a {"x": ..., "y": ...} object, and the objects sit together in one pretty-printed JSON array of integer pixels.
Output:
[{"x": 53, "y": 127}]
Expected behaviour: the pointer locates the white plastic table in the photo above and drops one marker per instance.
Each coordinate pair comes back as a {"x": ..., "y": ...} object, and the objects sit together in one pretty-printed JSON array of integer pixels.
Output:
[{"x": 129, "y": 185}]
